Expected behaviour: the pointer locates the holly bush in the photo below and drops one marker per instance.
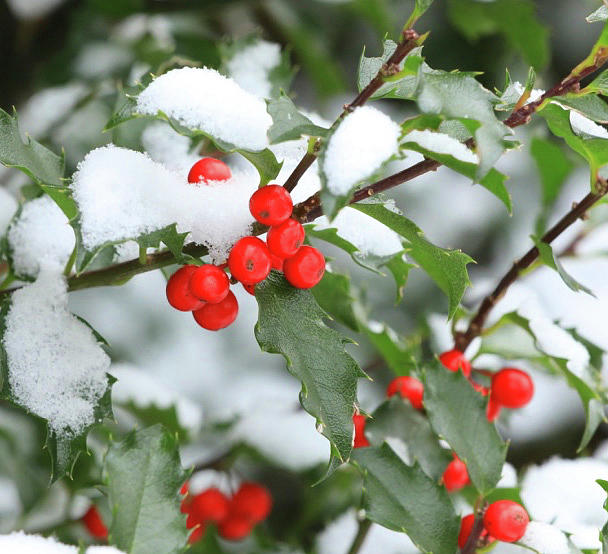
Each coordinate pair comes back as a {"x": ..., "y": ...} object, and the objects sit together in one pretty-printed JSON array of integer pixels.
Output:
[{"x": 390, "y": 359}]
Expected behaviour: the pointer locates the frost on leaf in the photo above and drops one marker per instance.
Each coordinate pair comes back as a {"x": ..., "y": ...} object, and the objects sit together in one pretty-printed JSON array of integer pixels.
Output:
[
  {"x": 220, "y": 108},
  {"x": 54, "y": 366},
  {"x": 123, "y": 194}
]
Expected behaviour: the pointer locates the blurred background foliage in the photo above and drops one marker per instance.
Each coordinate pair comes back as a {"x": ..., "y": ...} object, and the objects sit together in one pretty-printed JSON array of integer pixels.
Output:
[{"x": 95, "y": 45}]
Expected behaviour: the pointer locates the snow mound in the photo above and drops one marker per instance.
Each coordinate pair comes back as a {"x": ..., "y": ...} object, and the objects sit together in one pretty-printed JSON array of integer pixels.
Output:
[{"x": 251, "y": 67}]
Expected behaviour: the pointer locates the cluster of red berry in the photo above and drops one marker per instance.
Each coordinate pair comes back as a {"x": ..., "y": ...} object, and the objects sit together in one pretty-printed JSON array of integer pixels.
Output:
[
  {"x": 235, "y": 517},
  {"x": 205, "y": 290},
  {"x": 504, "y": 520}
]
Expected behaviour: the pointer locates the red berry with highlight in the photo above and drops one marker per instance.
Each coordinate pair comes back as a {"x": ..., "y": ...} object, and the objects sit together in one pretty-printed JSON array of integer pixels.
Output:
[
  {"x": 94, "y": 524},
  {"x": 214, "y": 317},
  {"x": 209, "y": 169},
  {"x": 210, "y": 505},
  {"x": 455, "y": 360},
  {"x": 178, "y": 290},
  {"x": 252, "y": 501},
  {"x": 271, "y": 205},
  {"x": 306, "y": 268},
  {"x": 249, "y": 260},
  {"x": 408, "y": 387},
  {"x": 506, "y": 520},
  {"x": 360, "y": 438},
  {"x": 455, "y": 476},
  {"x": 235, "y": 528},
  {"x": 284, "y": 240},
  {"x": 512, "y": 387},
  {"x": 209, "y": 283}
]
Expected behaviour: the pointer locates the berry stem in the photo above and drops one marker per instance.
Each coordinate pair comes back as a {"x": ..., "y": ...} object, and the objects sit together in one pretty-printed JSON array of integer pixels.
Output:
[
  {"x": 363, "y": 529},
  {"x": 471, "y": 544}
]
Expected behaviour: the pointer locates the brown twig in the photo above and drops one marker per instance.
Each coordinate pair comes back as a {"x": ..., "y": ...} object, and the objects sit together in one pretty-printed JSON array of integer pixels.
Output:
[
  {"x": 476, "y": 325},
  {"x": 476, "y": 531}
]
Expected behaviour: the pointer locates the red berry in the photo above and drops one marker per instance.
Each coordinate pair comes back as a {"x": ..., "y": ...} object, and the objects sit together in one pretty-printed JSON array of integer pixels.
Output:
[
  {"x": 235, "y": 528},
  {"x": 512, "y": 388},
  {"x": 178, "y": 290},
  {"x": 455, "y": 360},
  {"x": 251, "y": 501},
  {"x": 209, "y": 169},
  {"x": 209, "y": 283},
  {"x": 492, "y": 410},
  {"x": 284, "y": 240},
  {"x": 197, "y": 534},
  {"x": 185, "y": 488},
  {"x": 276, "y": 262},
  {"x": 271, "y": 205},
  {"x": 249, "y": 288},
  {"x": 210, "y": 505},
  {"x": 407, "y": 387},
  {"x": 466, "y": 526},
  {"x": 249, "y": 260},
  {"x": 360, "y": 438},
  {"x": 214, "y": 317},
  {"x": 306, "y": 268},
  {"x": 94, "y": 524},
  {"x": 455, "y": 476},
  {"x": 506, "y": 520},
  {"x": 192, "y": 520}
]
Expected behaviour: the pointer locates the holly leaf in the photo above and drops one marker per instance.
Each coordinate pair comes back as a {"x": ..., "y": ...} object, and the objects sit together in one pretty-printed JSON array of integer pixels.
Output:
[
  {"x": 392, "y": 349},
  {"x": 604, "y": 485},
  {"x": 548, "y": 257},
  {"x": 265, "y": 162},
  {"x": 397, "y": 419},
  {"x": 588, "y": 104},
  {"x": 593, "y": 150},
  {"x": 420, "y": 8},
  {"x": 334, "y": 296},
  {"x": 288, "y": 123},
  {"x": 417, "y": 506},
  {"x": 601, "y": 14},
  {"x": 29, "y": 156},
  {"x": 457, "y": 413},
  {"x": 553, "y": 168},
  {"x": 448, "y": 268},
  {"x": 290, "y": 323},
  {"x": 151, "y": 414},
  {"x": 143, "y": 475},
  {"x": 597, "y": 56},
  {"x": 514, "y": 19}
]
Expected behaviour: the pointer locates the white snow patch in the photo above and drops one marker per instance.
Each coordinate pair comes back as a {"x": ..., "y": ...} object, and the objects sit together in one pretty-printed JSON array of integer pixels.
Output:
[
  {"x": 168, "y": 147},
  {"x": 99, "y": 59},
  {"x": 20, "y": 543},
  {"x": 32, "y": 9},
  {"x": 218, "y": 106},
  {"x": 565, "y": 494},
  {"x": 585, "y": 128},
  {"x": 251, "y": 66},
  {"x": 545, "y": 539},
  {"x": 441, "y": 143},
  {"x": 123, "y": 194},
  {"x": 56, "y": 368},
  {"x": 508, "y": 478},
  {"x": 514, "y": 91},
  {"x": 40, "y": 238},
  {"x": 144, "y": 390},
  {"x": 365, "y": 139},
  {"x": 137, "y": 26},
  {"x": 366, "y": 233},
  {"x": 10, "y": 504}
]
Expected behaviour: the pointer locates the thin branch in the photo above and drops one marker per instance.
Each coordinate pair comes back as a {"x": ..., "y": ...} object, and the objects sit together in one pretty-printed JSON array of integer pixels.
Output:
[
  {"x": 409, "y": 41},
  {"x": 476, "y": 325},
  {"x": 362, "y": 531},
  {"x": 476, "y": 531}
]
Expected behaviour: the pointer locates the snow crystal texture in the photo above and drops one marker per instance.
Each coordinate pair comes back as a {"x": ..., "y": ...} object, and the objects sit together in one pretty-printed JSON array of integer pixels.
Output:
[
  {"x": 56, "y": 368},
  {"x": 40, "y": 238},
  {"x": 203, "y": 99},
  {"x": 123, "y": 194},
  {"x": 365, "y": 139},
  {"x": 251, "y": 67}
]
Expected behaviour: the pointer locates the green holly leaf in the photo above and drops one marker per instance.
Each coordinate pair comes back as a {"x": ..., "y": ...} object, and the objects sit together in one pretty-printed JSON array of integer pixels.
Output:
[
  {"x": 143, "y": 475},
  {"x": 548, "y": 257},
  {"x": 593, "y": 150},
  {"x": 397, "y": 419},
  {"x": 404, "y": 498},
  {"x": 29, "y": 156},
  {"x": 553, "y": 168},
  {"x": 586, "y": 103},
  {"x": 168, "y": 236},
  {"x": 421, "y": 142},
  {"x": 395, "y": 263},
  {"x": 333, "y": 294},
  {"x": 514, "y": 19},
  {"x": 402, "y": 85},
  {"x": 290, "y": 323},
  {"x": 448, "y": 268},
  {"x": 457, "y": 413},
  {"x": 597, "y": 56},
  {"x": 604, "y": 485},
  {"x": 152, "y": 414},
  {"x": 420, "y": 8},
  {"x": 265, "y": 162},
  {"x": 389, "y": 345},
  {"x": 288, "y": 123},
  {"x": 64, "y": 450}
]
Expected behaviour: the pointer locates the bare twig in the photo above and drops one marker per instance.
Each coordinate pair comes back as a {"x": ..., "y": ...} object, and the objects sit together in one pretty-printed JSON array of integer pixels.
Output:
[{"x": 476, "y": 531}]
